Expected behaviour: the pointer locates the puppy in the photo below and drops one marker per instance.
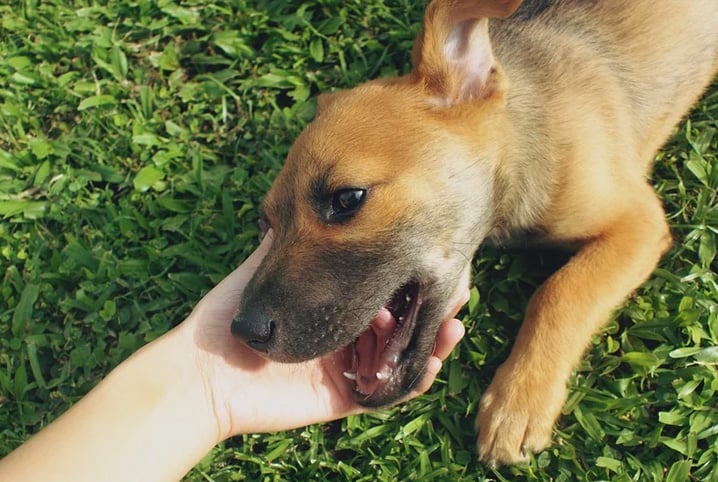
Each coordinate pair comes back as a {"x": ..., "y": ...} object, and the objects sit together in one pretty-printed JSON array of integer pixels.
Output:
[{"x": 539, "y": 127}]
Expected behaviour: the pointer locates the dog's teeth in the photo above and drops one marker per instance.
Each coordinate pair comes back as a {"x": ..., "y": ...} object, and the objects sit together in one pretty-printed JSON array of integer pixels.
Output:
[
  {"x": 407, "y": 298},
  {"x": 401, "y": 318},
  {"x": 350, "y": 376},
  {"x": 380, "y": 376}
]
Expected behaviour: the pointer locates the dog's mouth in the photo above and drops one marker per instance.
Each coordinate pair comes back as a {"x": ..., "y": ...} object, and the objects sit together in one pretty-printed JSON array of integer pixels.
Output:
[{"x": 377, "y": 352}]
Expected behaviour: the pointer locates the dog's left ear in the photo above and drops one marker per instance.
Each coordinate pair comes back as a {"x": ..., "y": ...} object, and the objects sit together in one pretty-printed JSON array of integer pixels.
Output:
[{"x": 452, "y": 55}]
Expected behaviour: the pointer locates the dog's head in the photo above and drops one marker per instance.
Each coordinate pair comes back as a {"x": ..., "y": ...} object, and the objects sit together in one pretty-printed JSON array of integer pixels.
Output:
[{"x": 379, "y": 208}]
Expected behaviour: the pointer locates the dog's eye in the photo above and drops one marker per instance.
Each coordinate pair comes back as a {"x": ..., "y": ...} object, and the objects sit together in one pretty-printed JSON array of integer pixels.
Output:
[{"x": 346, "y": 202}]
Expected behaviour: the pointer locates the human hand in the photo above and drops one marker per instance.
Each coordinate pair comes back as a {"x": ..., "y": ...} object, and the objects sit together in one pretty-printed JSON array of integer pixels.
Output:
[{"x": 250, "y": 393}]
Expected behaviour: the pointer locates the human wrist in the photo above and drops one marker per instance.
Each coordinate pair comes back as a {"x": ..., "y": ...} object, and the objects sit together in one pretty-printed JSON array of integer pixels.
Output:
[
  {"x": 204, "y": 377},
  {"x": 193, "y": 378},
  {"x": 148, "y": 420},
  {"x": 167, "y": 374}
]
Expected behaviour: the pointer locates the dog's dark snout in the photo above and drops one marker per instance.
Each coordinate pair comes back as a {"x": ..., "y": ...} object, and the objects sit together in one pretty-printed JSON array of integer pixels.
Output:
[{"x": 255, "y": 330}]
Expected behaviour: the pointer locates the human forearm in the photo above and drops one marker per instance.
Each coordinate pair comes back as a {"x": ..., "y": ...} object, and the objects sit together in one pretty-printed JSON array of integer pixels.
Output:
[
  {"x": 148, "y": 420},
  {"x": 157, "y": 414}
]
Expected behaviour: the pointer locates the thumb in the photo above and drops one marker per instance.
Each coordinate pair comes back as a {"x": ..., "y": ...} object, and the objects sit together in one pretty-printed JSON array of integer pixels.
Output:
[{"x": 225, "y": 297}]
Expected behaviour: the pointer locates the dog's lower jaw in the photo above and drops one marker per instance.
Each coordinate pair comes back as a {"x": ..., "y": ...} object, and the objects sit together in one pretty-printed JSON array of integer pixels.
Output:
[
  {"x": 378, "y": 353},
  {"x": 396, "y": 348}
]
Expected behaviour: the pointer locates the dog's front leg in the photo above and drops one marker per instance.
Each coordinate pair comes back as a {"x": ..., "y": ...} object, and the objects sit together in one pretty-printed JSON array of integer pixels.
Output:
[{"x": 518, "y": 409}]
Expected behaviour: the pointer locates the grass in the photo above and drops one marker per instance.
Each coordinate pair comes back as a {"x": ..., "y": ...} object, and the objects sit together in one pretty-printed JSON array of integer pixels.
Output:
[{"x": 137, "y": 139}]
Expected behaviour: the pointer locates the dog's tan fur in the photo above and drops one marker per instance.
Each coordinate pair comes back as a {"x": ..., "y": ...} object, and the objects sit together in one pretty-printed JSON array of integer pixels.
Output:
[{"x": 542, "y": 129}]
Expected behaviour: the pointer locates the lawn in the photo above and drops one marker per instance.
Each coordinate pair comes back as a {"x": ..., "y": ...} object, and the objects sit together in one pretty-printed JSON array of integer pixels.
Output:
[{"x": 137, "y": 139}]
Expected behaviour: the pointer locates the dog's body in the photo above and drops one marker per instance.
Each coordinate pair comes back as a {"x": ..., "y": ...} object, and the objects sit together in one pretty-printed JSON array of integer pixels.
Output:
[{"x": 543, "y": 127}]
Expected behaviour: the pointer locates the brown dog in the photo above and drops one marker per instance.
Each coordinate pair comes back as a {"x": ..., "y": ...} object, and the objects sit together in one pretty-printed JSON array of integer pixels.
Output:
[{"x": 542, "y": 127}]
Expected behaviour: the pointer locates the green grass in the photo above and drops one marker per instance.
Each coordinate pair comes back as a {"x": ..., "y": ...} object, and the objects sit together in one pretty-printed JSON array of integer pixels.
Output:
[{"x": 136, "y": 142}]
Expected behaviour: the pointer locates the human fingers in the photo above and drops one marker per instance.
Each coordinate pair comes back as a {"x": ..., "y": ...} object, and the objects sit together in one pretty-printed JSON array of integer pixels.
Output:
[
  {"x": 461, "y": 300},
  {"x": 221, "y": 303},
  {"x": 237, "y": 280},
  {"x": 449, "y": 334},
  {"x": 432, "y": 369}
]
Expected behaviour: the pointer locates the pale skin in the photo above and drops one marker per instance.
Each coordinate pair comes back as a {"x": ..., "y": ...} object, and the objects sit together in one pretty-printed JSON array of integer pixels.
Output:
[{"x": 159, "y": 412}]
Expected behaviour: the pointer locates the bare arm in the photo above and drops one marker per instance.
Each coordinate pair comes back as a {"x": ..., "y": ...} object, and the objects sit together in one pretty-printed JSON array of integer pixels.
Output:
[
  {"x": 159, "y": 412},
  {"x": 149, "y": 420}
]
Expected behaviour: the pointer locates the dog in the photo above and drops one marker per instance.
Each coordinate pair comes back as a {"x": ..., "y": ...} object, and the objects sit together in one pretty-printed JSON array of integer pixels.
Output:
[{"x": 537, "y": 123}]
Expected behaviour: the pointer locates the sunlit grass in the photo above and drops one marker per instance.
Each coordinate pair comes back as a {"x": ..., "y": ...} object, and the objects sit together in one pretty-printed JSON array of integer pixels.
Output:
[{"x": 136, "y": 142}]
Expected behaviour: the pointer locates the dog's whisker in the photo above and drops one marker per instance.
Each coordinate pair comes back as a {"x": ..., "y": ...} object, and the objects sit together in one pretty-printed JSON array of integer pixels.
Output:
[{"x": 420, "y": 373}]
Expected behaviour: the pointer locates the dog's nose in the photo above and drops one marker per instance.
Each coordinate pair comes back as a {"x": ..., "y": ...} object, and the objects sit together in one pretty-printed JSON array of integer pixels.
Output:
[{"x": 256, "y": 331}]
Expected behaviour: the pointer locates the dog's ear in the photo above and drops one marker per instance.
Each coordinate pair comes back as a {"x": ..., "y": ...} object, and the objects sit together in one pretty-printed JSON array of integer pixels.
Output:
[{"x": 452, "y": 55}]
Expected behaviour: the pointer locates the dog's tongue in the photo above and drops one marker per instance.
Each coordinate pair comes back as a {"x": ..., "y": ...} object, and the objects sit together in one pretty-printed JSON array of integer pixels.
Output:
[{"x": 376, "y": 359}]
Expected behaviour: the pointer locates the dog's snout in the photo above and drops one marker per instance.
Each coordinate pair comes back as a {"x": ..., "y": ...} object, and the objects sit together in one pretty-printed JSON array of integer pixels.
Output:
[{"x": 255, "y": 330}]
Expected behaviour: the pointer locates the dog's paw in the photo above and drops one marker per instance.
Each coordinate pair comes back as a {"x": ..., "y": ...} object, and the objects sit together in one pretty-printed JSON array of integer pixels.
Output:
[{"x": 516, "y": 415}]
